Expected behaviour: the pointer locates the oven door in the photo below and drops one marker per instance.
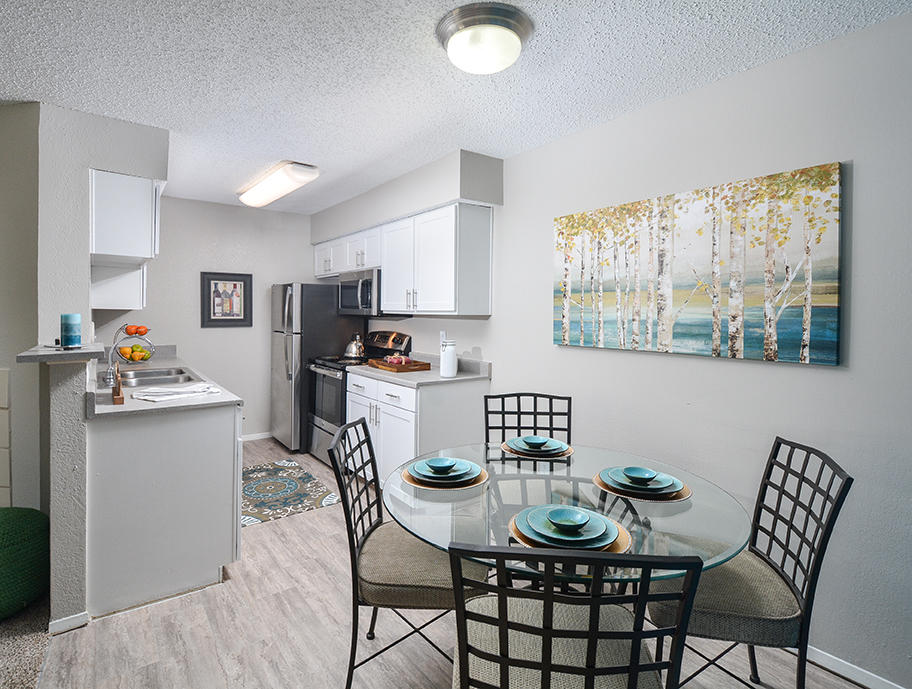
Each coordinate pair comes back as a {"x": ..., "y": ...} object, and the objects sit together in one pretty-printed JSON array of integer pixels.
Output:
[{"x": 328, "y": 403}]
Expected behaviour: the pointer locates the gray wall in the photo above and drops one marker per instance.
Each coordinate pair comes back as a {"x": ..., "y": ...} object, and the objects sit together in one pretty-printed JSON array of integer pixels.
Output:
[
  {"x": 71, "y": 143},
  {"x": 848, "y": 100},
  {"x": 198, "y": 236},
  {"x": 459, "y": 175},
  {"x": 19, "y": 287}
]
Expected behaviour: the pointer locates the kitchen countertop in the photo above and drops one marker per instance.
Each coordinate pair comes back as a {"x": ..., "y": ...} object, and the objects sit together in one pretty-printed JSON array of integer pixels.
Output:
[
  {"x": 99, "y": 400},
  {"x": 467, "y": 369},
  {"x": 48, "y": 354}
]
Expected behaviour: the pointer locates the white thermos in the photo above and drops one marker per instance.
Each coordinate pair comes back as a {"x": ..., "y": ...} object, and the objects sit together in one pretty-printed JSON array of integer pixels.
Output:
[{"x": 448, "y": 363}]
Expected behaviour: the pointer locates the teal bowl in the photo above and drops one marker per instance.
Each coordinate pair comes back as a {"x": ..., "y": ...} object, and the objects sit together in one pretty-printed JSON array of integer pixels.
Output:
[
  {"x": 639, "y": 474},
  {"x": 441, "y": 465},
  {"x": 535, "y": 441},
  {"x": 568, "y": 519}
]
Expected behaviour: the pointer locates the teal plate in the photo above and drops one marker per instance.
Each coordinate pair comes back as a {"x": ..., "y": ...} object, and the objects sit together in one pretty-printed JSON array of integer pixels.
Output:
[
  {"x": 607, "y": 538},
  {"x": 660, "y": 482},
  {"x": 673, "y": 487},
  {"x": 438, "y": 481},
  {"x": 538, "y": 520},
  {"x": 459, "y": 470},
  {"x": 552, "y": 447}
]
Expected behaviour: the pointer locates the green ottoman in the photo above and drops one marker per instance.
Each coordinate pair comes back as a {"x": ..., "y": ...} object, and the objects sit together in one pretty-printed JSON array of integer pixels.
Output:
[{"x": 25, "y": 558}]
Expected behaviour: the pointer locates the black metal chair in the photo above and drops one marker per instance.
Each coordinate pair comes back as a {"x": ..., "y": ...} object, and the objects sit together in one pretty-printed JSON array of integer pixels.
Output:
[
  {"x": 526, "y": 413},
  {"x": 764, "y": 595},
  {"x": 544, "y": 628},
  {"x": 390, "y": 568}
]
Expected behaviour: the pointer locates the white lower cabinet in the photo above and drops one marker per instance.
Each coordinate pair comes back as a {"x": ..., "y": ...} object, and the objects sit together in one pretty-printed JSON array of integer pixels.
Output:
[
  {"x": 393, "y": 430},
  {"x": 398, "y": 434}
]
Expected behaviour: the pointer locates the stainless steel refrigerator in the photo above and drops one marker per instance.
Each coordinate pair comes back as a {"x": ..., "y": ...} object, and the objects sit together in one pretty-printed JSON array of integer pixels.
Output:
[{"x": 305, "y": 324}]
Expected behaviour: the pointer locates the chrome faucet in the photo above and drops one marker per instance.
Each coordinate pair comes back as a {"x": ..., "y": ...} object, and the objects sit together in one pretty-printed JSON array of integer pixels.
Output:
[{"x": 111, "y": 373}]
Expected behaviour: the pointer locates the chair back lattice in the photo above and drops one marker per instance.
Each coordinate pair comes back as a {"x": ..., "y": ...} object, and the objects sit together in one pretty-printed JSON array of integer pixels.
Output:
[
  {"x": 526, "y": 413},
  {"x": 800, "y": 496},
  {"x": 567, "y": 619},
  {"x": 352, "y": 455}
]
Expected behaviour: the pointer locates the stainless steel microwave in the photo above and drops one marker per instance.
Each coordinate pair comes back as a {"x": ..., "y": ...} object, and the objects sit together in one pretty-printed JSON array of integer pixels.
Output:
[{"x": 359, "y": 293}]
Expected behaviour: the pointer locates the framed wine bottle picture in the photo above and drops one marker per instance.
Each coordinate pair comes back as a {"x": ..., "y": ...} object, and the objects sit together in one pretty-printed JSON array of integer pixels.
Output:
[{"x": 226, "y": 300}]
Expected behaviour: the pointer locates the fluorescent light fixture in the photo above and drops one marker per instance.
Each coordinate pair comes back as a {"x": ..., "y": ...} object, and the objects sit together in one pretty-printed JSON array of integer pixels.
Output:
[
  {"x": 282, "y": 179},
  {"x": 484, "y": 37}
]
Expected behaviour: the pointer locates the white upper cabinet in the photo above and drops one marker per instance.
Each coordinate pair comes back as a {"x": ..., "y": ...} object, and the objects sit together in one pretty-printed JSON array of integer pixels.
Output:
[
  {"x": 435, "y": 261},
  {"x": 362, "y": 250},
  {"x": 329, "y": 259},
  {"x": 124, "y": 218},
  {"x": 440, "y": 265},
  {"x": 397, "y": 243}
]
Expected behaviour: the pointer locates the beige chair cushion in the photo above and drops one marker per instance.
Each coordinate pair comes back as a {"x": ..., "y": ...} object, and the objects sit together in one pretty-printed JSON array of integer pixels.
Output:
[
  {"x": 741, "y": 600},
  {"x": 398, "y": 570},
  {"x": 564, "y": 651}
]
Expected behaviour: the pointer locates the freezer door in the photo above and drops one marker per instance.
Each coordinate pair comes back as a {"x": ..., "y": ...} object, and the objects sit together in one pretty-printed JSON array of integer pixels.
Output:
[
  {"x": 285, "y": 396},
  {"x": 286, "y": 308}
]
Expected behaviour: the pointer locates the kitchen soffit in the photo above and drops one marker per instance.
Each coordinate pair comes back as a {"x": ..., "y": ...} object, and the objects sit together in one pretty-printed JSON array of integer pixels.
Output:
[{"x": 365, "y": 91}]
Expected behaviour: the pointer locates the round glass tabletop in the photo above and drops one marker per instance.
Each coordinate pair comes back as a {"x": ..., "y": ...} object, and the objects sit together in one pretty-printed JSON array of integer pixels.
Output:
[{"x": 710, "y": 524}]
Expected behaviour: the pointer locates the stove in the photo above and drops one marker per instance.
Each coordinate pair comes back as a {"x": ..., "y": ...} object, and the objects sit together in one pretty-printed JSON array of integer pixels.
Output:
[
  {"x": 340, "y": 363},
  {"x": 328, "y": 386}
]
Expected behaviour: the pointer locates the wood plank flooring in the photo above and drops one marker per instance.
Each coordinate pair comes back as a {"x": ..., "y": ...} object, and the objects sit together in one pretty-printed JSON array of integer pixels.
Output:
[{"x": 282, "y": 619}]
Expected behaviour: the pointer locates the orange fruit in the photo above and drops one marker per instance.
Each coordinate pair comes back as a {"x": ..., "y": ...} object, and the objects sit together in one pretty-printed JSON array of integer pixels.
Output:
[
  {"x": 125, "y": 352},
  {"x": 130, "y": 330},
  {"x": 138, "y": 356},
  {"x": 141, "y": 330}
]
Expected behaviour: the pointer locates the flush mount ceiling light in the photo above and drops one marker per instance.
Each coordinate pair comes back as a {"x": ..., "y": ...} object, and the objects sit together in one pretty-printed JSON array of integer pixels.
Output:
[
  {"x": 484, "y": 37},
  {"x": 282, "y": 179}
]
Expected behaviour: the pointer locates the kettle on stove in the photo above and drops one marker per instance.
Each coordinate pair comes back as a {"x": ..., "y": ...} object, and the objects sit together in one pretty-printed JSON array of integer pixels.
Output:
[{"x": 355, "y": 348}]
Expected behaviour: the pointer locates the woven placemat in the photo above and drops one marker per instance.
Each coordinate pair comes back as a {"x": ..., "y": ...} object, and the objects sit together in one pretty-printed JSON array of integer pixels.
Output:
[
  {"x": 412, "y": 481},
  {"x": 621, "y": 544},
  {"x": 682, "y": 494},
  {"x": 546, "y": 458}
]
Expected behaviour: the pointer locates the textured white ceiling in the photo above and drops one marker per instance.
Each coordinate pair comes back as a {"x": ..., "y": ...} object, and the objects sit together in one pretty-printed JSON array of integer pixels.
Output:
[{"x": 363, "y": 89}]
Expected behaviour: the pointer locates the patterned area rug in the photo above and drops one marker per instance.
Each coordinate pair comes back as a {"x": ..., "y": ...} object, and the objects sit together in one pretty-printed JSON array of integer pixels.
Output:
[{"x": 278, "y": 489}]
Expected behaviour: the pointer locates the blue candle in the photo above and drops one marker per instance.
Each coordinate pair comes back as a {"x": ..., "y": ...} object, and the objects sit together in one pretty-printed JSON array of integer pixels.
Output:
[{"x": 71, "y": 329}]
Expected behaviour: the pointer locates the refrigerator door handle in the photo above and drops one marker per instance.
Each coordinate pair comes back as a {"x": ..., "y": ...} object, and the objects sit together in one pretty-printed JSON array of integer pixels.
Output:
[
  {"x": 288, "y": 372},
  {"x": 285, "y": 313}
]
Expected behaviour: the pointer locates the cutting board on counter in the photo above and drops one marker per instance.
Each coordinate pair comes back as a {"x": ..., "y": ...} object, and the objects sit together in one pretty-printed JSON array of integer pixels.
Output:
[{"x": 399, "y": 368}]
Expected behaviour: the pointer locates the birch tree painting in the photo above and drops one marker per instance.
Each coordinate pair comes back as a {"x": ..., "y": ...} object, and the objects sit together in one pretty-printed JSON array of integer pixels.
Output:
[{"x": 747, "y": 269}]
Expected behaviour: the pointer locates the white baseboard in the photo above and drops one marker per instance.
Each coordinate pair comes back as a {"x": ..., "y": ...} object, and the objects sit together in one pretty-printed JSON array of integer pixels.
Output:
[
  {"x": 849, "y": 671},
  {"x": 65, "y": 624},
  {"x": 255, "y": 436}
]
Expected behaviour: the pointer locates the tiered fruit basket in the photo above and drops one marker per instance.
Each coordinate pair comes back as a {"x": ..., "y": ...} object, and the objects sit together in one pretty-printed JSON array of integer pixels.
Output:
[{"x": 133, "y": 353}]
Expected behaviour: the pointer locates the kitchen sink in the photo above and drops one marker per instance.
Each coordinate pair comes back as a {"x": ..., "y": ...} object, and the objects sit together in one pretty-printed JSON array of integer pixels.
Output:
[
  {"x": 159, "y": 380},
  {"x": 153, "y": 373},
  {"x": 153, "y": 376}
]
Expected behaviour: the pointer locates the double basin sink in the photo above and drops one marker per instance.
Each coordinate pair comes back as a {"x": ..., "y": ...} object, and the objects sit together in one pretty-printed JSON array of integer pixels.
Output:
[{"x": 153, "y": 376}]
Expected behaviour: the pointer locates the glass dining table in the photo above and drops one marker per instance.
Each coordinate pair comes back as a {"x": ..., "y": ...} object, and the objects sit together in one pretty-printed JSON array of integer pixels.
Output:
[{"x": 710, "y": 523}]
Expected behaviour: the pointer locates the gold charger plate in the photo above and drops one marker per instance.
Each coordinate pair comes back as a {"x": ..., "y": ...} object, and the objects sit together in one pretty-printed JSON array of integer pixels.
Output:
[
  {"x": 682, "y": 494},
  {"x": 560, "y": 455},
  {"x": 621, "y": 544},
  {"x": 412, "y": 481}
]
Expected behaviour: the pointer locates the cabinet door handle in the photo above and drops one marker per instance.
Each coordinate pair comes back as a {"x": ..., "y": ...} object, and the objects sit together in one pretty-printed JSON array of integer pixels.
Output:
[
  {"x": 408, "y": 298},
  {"x": 358, "y": 385},
  {"x": 370, "y": 414},
  {"x": 389, "y": 394},
  {"x": 415, "y": 299}
]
